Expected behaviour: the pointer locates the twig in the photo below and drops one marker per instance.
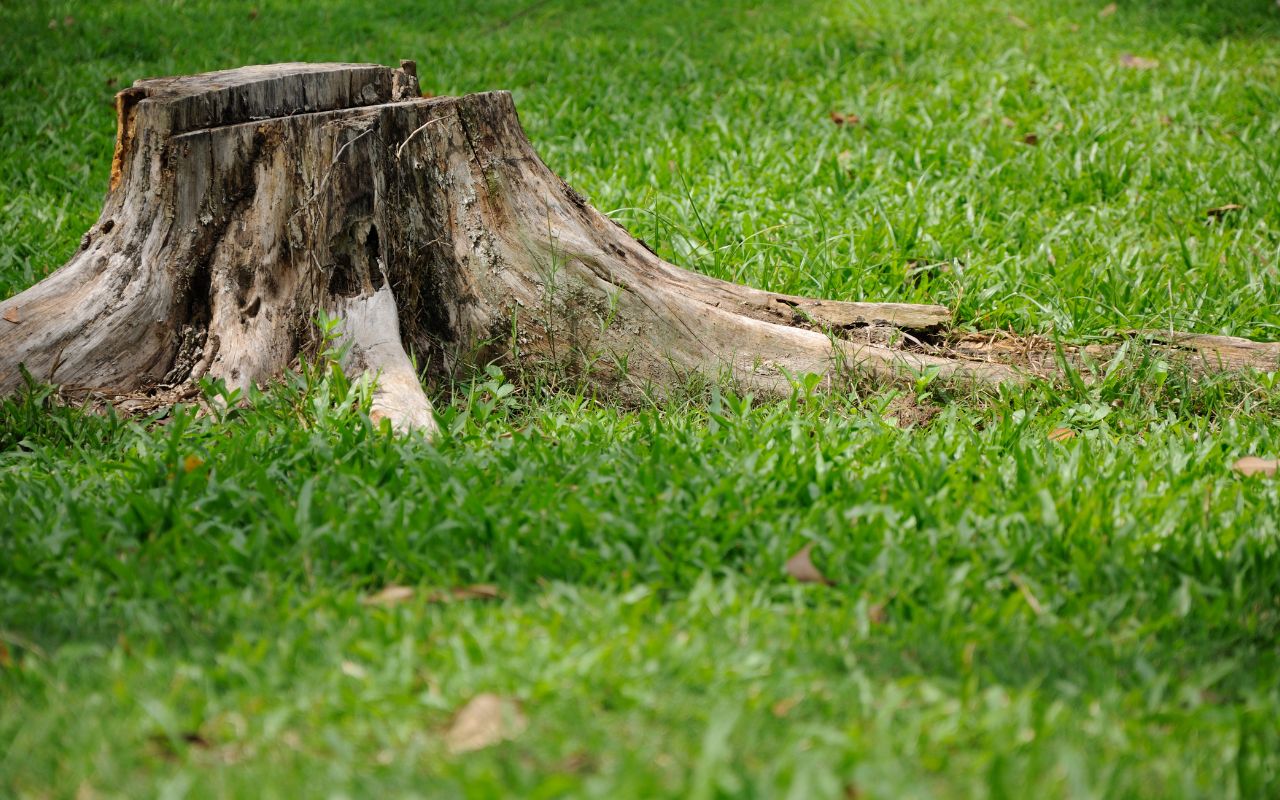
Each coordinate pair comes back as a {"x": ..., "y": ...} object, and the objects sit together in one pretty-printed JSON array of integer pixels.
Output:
[{"x": 416, "y": 131}]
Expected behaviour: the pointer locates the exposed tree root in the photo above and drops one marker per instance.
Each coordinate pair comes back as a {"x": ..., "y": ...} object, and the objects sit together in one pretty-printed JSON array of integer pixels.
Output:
[{"x": 244, "y": 203}]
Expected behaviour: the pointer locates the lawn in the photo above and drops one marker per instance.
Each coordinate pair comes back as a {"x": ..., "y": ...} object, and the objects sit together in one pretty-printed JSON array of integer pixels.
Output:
[{"x": 185, "y": 599}]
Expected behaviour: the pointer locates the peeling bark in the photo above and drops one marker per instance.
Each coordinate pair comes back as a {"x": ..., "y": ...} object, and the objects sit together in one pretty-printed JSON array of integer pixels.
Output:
[{"x": 243, "y": 203}]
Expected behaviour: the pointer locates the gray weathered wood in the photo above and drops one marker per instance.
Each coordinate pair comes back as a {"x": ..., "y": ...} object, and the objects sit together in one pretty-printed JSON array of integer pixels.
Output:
[{"x": 243, "y": 203}]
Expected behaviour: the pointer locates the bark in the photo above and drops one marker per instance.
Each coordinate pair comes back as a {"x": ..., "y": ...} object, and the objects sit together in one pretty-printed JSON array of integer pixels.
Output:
[{"x": 244, "y": 203}]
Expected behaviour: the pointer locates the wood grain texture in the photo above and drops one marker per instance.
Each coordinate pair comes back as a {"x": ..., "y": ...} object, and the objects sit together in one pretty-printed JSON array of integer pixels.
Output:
[{"x": 244, "y": 203}]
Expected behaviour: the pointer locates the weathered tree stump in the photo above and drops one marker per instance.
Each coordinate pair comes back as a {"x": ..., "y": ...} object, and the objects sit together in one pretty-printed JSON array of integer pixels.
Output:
[{"x": 244, "y": 203}]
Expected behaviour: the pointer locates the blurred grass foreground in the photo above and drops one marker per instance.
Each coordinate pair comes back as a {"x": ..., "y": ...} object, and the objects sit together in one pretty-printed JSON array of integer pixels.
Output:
[{"x": 561, "y": 598}]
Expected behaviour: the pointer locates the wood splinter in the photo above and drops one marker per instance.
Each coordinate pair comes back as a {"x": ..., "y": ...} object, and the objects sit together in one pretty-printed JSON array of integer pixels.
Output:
[{"x": 245, "y": 203}]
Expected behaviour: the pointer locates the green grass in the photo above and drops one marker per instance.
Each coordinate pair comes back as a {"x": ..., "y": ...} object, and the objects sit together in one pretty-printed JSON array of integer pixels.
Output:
[{"x": 1012, "y": 617}]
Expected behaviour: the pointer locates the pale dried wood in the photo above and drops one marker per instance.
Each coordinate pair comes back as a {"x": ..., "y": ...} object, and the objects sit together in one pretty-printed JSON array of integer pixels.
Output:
[
  {"x": 1220, "y": 352},
  {"x": 369, "y": 338},
  {"x": 244, "y": 203}
]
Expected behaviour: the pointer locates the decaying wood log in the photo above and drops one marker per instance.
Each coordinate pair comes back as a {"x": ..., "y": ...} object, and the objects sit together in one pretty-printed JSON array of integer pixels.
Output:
[{"x": 244, "y": 203}]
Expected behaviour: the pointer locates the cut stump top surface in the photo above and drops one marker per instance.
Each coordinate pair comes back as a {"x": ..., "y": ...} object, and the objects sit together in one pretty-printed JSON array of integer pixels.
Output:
[{"x": 233, "y": 96}]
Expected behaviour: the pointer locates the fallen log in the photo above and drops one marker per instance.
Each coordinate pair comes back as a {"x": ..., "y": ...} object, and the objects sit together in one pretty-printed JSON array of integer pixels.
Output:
[{"x": 244, "y": 203}]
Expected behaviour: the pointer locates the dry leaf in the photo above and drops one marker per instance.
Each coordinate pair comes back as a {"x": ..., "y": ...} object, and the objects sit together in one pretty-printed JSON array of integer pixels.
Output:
[
  {"x": 191, "y": 463},
  {"x": 6, "y": 660},
  {"x": 577, "y": 761},
  {"x": 389, "y": 596},
  {"x": 1061, "y": 434},
  {"x": 1031, "y": 139},
  {"x": 1166, "y": 120},
  {"x": 1107, "y": 10},
  {"x": 1138, "y": 62},
  {"x": 800, "y": 566},
  {"x": 485, "y": 720},
  {"x": 845, "y": 119},
  {"x": 1019, "y": 22},
  {"x": 11, "y": 315},
  {"x": 1252, "y": 465},
  {"x": 783, "y": 707},
  {"x": 1221, "y": 211},
  {"x": 1032, "y": 602},
  {"x": 163, "y": 746},
  {"x": 353, "y": 670},
  {"x": 1008, "y": 123},
  {"x": 875, "y": 613},
  {"x": 479, "y": 591}
]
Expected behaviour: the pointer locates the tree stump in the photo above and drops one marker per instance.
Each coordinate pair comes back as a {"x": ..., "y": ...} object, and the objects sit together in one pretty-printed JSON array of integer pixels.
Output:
[{"x": 244, "y": 203}]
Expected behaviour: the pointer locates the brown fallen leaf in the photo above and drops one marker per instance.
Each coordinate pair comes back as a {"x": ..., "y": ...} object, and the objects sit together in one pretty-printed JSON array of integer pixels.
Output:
[
  {"x": 478, "y": 591},
  {"x": 6, "y": 660},
  {"x": 1221, "y": 211},
  {"x": 845, "y": 119},
  {"x": 11, "y": 315},
  {"x": 1018, "y": 22},
  {"x": 875, "y": 614},
  {"x": 485, "y": 720},
  {"x": 783, "y": 707},
  {"x": 578, "y": 761},
  {"x": 1252, "y": 465},
  {"x": 191, "y": 463},
  {"x": 1107, "y": 10},
  {"x": 389, "y": 596},
  {"x": 1138, "y": 62},
  {"x": 1061, "y": 434},
  {"x": 1031, "y": 139},
  {"x": 801, "y": 567},
  {"x": 1032, "y": 602},
  {"x": 162, "y": 745}
]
